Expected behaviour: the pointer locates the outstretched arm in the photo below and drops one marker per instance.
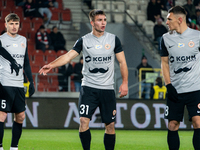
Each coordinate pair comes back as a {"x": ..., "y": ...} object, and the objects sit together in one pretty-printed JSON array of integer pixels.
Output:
[
  {"x": 60, "y": 61},
  {"x": 123, "y": 89}
]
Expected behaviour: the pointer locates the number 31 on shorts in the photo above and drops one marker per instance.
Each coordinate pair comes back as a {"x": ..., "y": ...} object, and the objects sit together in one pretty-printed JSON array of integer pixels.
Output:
[
  {"x": 84, "y": 109},
  {"x": 3, "y": 103}
]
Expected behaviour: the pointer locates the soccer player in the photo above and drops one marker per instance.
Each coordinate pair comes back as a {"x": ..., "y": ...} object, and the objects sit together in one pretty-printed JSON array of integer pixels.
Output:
[
  {"x": 180, "y": 63},
  {"x": 99, "y": 50},
  {"x": 13, "y": 48}
]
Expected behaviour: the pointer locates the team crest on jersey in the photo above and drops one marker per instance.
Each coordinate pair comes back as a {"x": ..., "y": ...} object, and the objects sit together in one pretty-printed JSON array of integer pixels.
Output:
[
  {"x": 15, "y": 45},
  {"x": 107, "y": 46},
  {"x": 22, "y": 44},
  {"x": 98, "y": 46},
  {"x": 191, "y": 44},
  {"x": 198, "y": 105},
  {"x": 181, "y": 45}
]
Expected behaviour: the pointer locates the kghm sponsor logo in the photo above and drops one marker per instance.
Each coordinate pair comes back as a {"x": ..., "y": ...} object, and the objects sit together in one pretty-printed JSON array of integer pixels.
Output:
[
  {"x": 18, "y": 56},
  {"x": 182, "y": 58},
  {"x": 102, "y": 58},
  {"x": 98, "y": 59}
]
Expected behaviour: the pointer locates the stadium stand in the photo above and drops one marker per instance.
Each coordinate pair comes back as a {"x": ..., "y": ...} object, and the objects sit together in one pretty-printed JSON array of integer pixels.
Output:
[
  {"x": 148, "y": 27},
  {"x": 4, "y": 12},
  {"x": 28, "y": 28},
  {"x": 61, "y": 52},
  {"x": 9, "y": 3},
  {"x": 49, "y": 55},
  {"x": 65, "y": 16},
  {"x": 55, "y": 15}
]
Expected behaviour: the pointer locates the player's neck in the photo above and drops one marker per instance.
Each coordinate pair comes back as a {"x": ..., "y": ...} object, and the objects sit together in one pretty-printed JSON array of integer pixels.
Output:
[
  {"x": 97, "y": 34},
  {"x": 12, "y": 35},
  {"x": 182, "y": 29}
]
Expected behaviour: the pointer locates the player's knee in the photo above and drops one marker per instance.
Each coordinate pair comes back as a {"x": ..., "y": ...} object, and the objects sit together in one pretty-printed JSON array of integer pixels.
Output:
[
  {"x": 3, "y": 116},
  {"x": 84, "y": 123},
  {"x": 196, "y": 122},
  {"x": 19, "y": 118},
  {"x": 173, "y": 125},
  {"x": 110, "y": 128}
]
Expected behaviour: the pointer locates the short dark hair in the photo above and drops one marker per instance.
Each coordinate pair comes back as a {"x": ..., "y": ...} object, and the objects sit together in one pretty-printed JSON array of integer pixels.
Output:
[
  {"x": 95, "y": 12},
  {"x": 177, "y": 10},
  {"x": 12, "y": 16},
  {"x": 159, "y": 80},
  {"x": 53, "y": 27},
  {"x": 42, "y": 27}
]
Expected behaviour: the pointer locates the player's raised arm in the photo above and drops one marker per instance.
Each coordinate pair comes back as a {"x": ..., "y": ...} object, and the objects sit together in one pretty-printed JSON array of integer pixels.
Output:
[
  {"x": 123, "y": 89},
  {"x": 60, "y": 61}
]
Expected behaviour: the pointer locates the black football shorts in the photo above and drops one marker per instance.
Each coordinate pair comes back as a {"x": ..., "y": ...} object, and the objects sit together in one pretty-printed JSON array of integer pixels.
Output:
[
  {"x": 175, "y": 111},
  {"x": 91, "y": 98},
  {"x": 12, "y": 99}
]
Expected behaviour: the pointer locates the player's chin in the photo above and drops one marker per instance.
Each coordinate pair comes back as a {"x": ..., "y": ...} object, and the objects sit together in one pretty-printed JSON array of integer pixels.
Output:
[{"x": 13, "y": 33}]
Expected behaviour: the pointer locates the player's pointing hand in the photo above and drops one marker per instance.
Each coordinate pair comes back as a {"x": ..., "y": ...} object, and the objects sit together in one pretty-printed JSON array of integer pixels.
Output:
[{"x": 45, "y": 69}]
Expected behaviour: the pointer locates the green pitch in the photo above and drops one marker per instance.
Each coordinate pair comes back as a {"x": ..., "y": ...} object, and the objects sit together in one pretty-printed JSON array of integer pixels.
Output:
[{"x": 37, "y": 139}]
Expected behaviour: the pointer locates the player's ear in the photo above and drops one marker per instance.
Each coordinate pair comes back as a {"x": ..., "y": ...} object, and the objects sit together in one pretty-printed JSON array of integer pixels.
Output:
[
  {"x": 180, "y": 20},
  {"x": 92, "y": 23},
  {"x": 5, "y": 25}
]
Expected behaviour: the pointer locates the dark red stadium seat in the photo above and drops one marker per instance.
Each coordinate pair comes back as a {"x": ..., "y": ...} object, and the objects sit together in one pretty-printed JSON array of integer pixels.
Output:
[
  {"x": 31, "y": 48},
  {"x": 55, "y": 15},
  {"x": 22, "y": 32},
  {"x": 35, "y": 68},
  {"x": 37, "y": 22},
  {"x": 1, "y": 3},
  {"x": 31, "y": 35},
  {"x": 2, "y": 25},
  {"x": 19, "y": 11},
  {"x": 50, "y": 52},
  {"x": 66, "y": 15},
  {"x": 9, "y": 3},
  {"x": 61, "y": 52},
  {"x": 26, "y": 19},
  {"x": 38, "y": 57},
  {"x": 52, "y": 89},
  {"x": 26, "y": 26},
  {"x": 4, "y": 12},
  {"x": 41, "y": 87}
]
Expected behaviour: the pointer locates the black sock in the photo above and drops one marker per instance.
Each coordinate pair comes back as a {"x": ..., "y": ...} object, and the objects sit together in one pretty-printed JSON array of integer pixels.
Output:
[
  {"x": 85, "y": 139},
  {"x": 173, "y": 140},
  {"x": 1, "y": 133},
  {"x": 16, "y": 133},
  {"x": 109, "y": 141},
  {"x": 196, "y": 139}
]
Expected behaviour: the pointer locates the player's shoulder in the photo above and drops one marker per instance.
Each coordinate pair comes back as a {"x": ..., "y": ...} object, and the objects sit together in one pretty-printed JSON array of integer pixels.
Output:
[
  {"x": 88, "y": 35},
  {"x": 110, "y": 35},
  {"x": 2, "y": 36},
  {"x": 21, "y": 37},
  {"x": 169, "y": 34},
  {"x": 193, "y": 31}
]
